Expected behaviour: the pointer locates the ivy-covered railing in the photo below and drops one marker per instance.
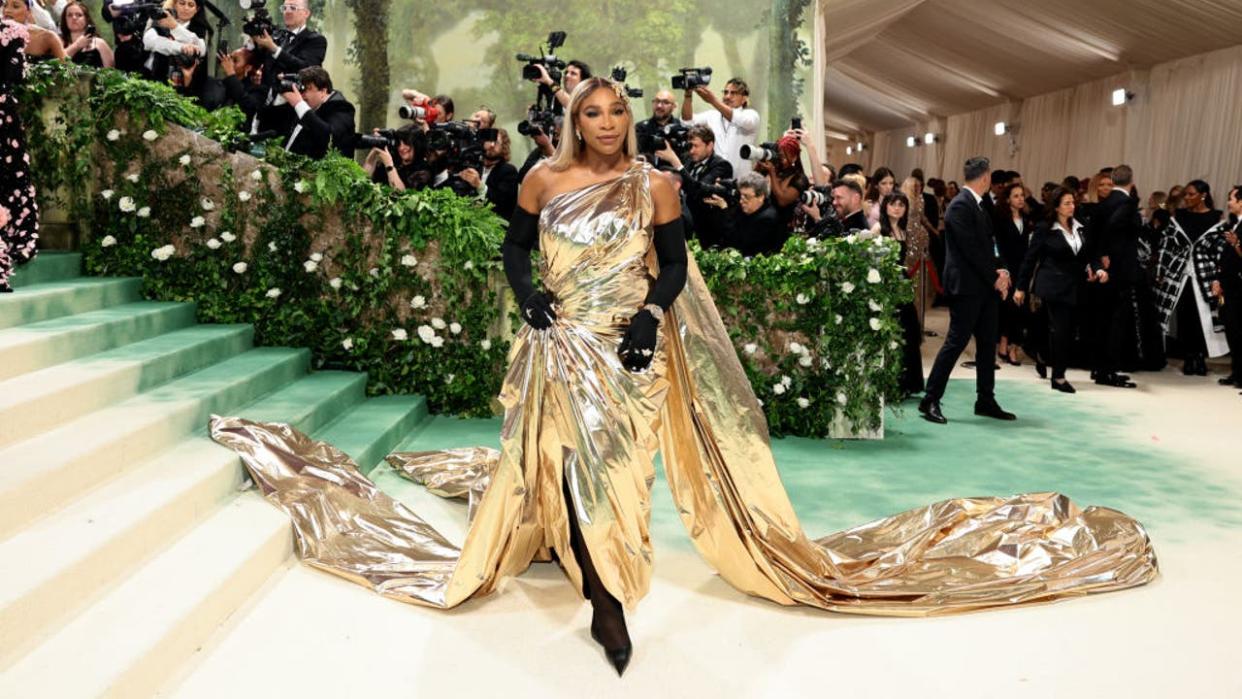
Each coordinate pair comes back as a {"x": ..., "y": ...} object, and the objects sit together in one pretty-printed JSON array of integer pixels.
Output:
[{"x": 406, "y": 286}]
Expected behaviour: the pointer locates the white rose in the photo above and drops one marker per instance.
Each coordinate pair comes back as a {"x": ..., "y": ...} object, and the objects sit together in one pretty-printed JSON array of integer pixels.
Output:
[
  {"x": 850, "y": 238},
  {"x": 837, "y": 319},
  {"x": 227, "y": 237},
  {"x": 107, "y": 242},
  {"x": 875, "y": 323},
  {"x": 207, "y": 204},
  {"x": 779, "y": 389},
  {"x": 805, "y": 360},
  {"x": 106, "y": 194},
  {"x": 197, "y": 222},
  {"x": 409, "y": 261},
  {"x": 873, "y": 275},
  {"x": 455, "y": 328},
  {"x": 185, "y": 159},
  {"x": 144, "y": 212},
  {"x": 299, "y": 187},
  {"x": 243, "y": 196},
  {"x": 786, "y": 381},
  {"x": 448, "y": 378},
  {"x": 317, "y": 257},
  {"x": 486, "y": 345},
  {"x": 213, "y": 243},
  {"x": 437, "y": 342},
  {"x": 150, "y": 135},
  {"x": 875, "y": 307},
  {"x": 347, "y": 343},
  {"x": 127, "y": 204},
  {"x": 114, "y": 135},
  {"x": 133, "y": 177},
  {"x": 418, "y": 302},
  {"x": 400, "y": 335},
  {"x": 426, "y": 334},
  {"x": 163, "y": 253},
  {"x": 271, "y": 247},
  {"x": 310, "y": 266},
  {"x": 469, "y": 265},
  {"x": 335, "y": 283},
  {"x": 273, "y": 293},
  {"x": 240, "y": 267},
  {"x": 892, "y": 345},
  {"x": 796, "y": 347},
  {"x": 438, "y": 323},
  {"x": 804, "y": 403},
  {"x": 257, "y": 175},
  {"x": 750, "y": 348},
  {"x": 842, "y": 398},
  {"x": 847, "y": 287},
  {"x": 374, "y": 272},
  {"x": 803, "y": 299}
]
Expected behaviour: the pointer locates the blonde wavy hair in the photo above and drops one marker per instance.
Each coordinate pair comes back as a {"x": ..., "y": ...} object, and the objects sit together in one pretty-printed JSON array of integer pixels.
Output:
[{"x": 570, "y": 148}]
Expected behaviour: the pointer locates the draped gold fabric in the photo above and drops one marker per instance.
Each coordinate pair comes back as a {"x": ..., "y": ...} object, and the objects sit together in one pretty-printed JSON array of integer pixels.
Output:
[{"x": 572, "y": 411}]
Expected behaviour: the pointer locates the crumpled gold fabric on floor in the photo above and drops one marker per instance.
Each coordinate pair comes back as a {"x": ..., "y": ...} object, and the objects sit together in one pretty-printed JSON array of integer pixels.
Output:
[{"x": 572, "y": 411}]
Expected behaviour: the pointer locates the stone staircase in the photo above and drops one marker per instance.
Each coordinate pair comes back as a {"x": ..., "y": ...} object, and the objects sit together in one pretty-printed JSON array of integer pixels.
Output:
[{"x": 124, "y": 540}]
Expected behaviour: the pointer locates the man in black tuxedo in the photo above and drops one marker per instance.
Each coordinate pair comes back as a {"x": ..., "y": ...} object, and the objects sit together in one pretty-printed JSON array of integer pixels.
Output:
[
  {"x": 705, "y": 168},
  {"x": 288, "y": 51},
  {"x": 1112, "y": 236},
  {"x": 325, "y": 119},
  {"x": 976, "y": 282},
  {"x": 499, "y": 175},
  {"x": 847, "y": 199}
]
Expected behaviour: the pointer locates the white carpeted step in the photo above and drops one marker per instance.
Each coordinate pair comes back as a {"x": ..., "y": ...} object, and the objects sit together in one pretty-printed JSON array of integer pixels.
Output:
[
  {"x": 64, "y": 298},
  {"x": 132, "y": 641},
  {"x": 36, "y": 346},
  {"x": 70, "y": 556},
  {"x": 42, "y": 474},
  {"x": 39, "y": 400}
]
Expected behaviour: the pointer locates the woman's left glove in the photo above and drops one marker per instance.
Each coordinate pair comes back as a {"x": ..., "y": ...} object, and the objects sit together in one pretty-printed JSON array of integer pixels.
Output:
[{"x": 637, "y": 347}]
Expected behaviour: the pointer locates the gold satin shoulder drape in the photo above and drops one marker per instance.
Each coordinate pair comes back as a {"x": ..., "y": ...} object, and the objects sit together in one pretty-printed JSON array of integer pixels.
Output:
[{"x": 573, "y": 412}]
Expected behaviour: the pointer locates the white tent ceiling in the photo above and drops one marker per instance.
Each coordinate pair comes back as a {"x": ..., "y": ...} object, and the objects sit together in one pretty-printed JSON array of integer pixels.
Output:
[{"x": 892, "y": 63}]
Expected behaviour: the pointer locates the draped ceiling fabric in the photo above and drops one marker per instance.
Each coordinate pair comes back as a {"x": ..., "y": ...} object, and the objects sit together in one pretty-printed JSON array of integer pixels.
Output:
[{"x": 896, "y": 68}]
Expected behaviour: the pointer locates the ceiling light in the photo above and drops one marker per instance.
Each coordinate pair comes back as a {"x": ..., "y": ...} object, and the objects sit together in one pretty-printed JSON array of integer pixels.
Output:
[
  {"x": 929, "y": 138},
  {"x": 1121, "y": 96},
  {"x": 849, "y": 150},
  {"x": 911, "y": 141},
  {"x": 1000, "y": 128}
]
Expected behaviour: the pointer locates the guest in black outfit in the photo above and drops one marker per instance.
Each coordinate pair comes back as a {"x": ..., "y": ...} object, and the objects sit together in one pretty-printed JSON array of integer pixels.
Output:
[
  {"x": 1013, "y": 226},
  {"x": 290, "y": 50},
  {"x": 1228, "y": 288},
  {"x": 1196, "y": 218},
  {"x": 19, "y": 208},
  {"x": 1112, "y": 236},
  {"x": 82, "y": 43},
  {"x": 325, "y": 119},
  {"x": 1054, "y": 268},
  {"x": 894, "y": 219},
  {"x": 402, "y": 167},
  {"x": 500, "y": 176},
  {"x": 976, "y": 280}
]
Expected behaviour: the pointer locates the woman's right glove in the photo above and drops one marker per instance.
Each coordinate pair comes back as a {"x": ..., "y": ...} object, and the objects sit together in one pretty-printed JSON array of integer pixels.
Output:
[{"x": 537, "y": 311}]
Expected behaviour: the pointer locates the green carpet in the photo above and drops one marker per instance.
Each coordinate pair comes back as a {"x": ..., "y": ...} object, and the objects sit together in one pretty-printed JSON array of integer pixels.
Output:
[{"x": 1059, "y": 443}]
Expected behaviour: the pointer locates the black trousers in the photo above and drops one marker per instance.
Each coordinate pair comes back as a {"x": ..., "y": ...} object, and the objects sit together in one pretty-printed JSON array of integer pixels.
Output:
[
  {"x": 1189, "y": 326},
  {"x": 912, "y": 356},
  {"x": 1061, "y": 317},
  {"x": 1231, "y": 312},
  {"x": 968, "y": 316},
  {"x": 1111, "y": 324}
]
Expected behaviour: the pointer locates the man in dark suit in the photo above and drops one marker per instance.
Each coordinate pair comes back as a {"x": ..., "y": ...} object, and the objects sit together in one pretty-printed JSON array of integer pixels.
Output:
[
  {"x": 1112, "y": 236},
  {"x": 291, "y": 49},
  {"x": 500, "y": 176},
  {"x": 325, "y": 119},
  {"x": 847, "y": 199},
  {"x": 976, "y": 281},
  {"x": 705, "y": 168}
]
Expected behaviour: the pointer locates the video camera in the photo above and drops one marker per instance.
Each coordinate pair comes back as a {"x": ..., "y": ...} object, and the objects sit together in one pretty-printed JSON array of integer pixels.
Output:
[
  {"x": 461, "y": 143},
  {"x": 135, "y": 17},
  {"x": 764, "y": 152},
  {"x": 259, "y": 23},
  {"x": 548, "y": 60},
  {"x": 652, "y": 138},
  {"x": 537, "y": 121},
  {"x": 618, "y": 76},
  {"x": 691, "y": 78}
]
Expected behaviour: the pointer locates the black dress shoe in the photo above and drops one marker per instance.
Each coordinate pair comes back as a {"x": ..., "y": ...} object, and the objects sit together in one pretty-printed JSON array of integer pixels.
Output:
[
  {"x": 1115, "y": 381},
  {"x": 1063, "y": 386},
  {"x": 931, "y": 411},
  {"x": 1041, "y": 369},
  {"x": 1228, "y": 381},
  {"x": 990, "y": 408}
]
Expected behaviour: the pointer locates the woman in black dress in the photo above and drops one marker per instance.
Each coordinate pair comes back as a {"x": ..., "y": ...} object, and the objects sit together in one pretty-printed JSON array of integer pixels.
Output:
[
  {"x": 1195, "y": 219},
  {"x": 1013, "y": 226},
  {"x": 82, "y": 42},
  {"x": 895, "y": 210},
  {"x": 19, "y": 213}
]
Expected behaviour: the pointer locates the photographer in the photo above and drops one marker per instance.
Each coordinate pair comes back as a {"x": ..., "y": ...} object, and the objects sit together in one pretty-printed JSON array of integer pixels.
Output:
[
  {"x": 293, "y": 48},
  {"x": 545, "y": 145},
  {"x": 731, "y": 119},
  {"x": 172, "y": 35},
  {"x": 753, "y": 227},
  {"x": 408, "y": 169},
  {"x": 325, "y": 119},
  {"x": 705, "y": 168},
  {"x": 575, "y": 72},
  {"x": 188, "y": 76},
  {"x": 243, "y": 82},
  {"x": 847, "y": 199},
  {"x": 483, "y": 118},
  {"x": 429, "y": 110},
  {"x": 499, "y": 175},
  {"x": 786, "y": 177}
]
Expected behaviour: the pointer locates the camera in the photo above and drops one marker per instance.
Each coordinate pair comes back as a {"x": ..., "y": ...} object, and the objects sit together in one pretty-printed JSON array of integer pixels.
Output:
[
  {"x": 385, "y": 138},
  {"x": 691, "y": 78},
  {"x": 537, "y": 121},
  {"x": 288, "y": 82},
  {"x": 405, "y": 111},
  {"x": 795, "y": 123},
  {"x": 652, "y": 138},
  {"x": 259, "y": 23},
  {"x": 725, "y": 189},
  {"x": 461, "y": 143},
  {"x": 818, "y": 196},
  {"x": 136, "y": 16},
  {"x": 548, "y": 60},
  {"x": 618, "y": 76},
  {"x": 764, "y": 152}
]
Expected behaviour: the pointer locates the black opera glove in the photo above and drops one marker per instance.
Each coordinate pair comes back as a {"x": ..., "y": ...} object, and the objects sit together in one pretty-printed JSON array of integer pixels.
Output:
[
  {"x": 537, "y": 311},
  {"x": 638, "y": 344}
]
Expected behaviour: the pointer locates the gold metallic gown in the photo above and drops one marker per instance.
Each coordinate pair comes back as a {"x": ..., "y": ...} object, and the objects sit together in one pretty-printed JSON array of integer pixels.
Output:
[{"x": 572, "y": 411}]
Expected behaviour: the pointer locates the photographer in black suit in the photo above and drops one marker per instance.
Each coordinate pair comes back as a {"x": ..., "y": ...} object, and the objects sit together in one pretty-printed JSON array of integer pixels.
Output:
[
  {"x": 325, "y": 119},
  {"x": 705, "y": 168},
  {"x": 284, "y": 51},
  {"x": 1112, "y": 237},
  {"x": 976, "y": 281},
  {"x": 499, "y": 175}
]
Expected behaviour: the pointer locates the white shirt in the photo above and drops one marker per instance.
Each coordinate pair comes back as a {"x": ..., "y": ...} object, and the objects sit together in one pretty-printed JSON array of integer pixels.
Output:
[
  {"x": 742, "y": 130},
  {"x": 301, "y": 108},
  {"x": 152, "y": 41},
  {"x": 293, "y": 33},
  {"x": 976, "y": 195},
  {"x": 1073, "y": 237}
]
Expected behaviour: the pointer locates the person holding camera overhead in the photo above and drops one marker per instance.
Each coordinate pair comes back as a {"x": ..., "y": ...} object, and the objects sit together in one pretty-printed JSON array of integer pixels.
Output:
[
  {"x": 173, "y": 35},
  {"x": 575, "y": 72},
  {"x": 731, "y": 118},
  {"x": 325, "y": 119}
]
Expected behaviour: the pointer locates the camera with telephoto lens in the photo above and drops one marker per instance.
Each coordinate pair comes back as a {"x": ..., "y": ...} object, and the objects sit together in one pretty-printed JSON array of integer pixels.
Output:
[
  {"x": 547, "y": 59},
  {"x": 829, "y": 225},
  {"x": 461, "y": 144},
  {"x": 259, "y": 23},
  {"x": 652, "y": 137},
  {"x": 288, "y": 82},
  {"x": 725, "y": 189},
  {"x": 384, "y": 138},
  {"x": 691, "y": 78},
  {"x": 764, "y": 152},
  {"x": 405, "y": 111},
  {"x": 818, "y": 196},
  {"x": 618, "y": 76},
  {"x": 135, "y": 17}
]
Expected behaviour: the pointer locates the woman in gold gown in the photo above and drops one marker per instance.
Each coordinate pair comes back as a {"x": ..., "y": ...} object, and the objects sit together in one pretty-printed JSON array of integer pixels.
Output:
[{"x": 597, "y": 382}]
